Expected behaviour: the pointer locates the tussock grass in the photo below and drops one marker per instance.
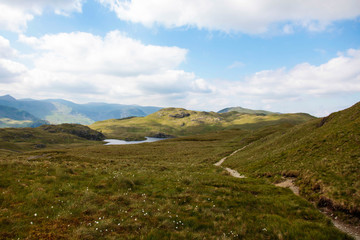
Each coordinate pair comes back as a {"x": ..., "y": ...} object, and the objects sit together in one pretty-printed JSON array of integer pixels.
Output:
[
  {"x": 163, "y": 190},
  {"x": 323, "y": 155},
  {"x": 60, "y": 136}
]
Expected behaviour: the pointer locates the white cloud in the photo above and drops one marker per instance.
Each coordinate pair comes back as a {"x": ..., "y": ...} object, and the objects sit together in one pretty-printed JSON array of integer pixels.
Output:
[
  {"x": 10, "y": 70},
  {"x": 16, "y": 13},
  {"x": 340, "y": 74},
  {"x": 304, "y": 87},
  {"x": 107, "y": 68},
  {"x": 115, "y": 68},
  {"x": 254, "y": 17},
  {"x": 115, "y": 54},
  {"x": 6, "y": 51}
]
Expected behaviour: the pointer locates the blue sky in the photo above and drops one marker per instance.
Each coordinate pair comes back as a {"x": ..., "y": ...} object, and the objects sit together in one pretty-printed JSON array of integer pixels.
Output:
[{"x": 275, "y": 55}]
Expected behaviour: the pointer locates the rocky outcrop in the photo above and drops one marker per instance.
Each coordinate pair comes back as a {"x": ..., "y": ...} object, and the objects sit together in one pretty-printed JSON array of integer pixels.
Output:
[
  {"x": 162, "y": 135},
  {"x": 75, "y": 129},
  {"x": 180, "y": 115}
]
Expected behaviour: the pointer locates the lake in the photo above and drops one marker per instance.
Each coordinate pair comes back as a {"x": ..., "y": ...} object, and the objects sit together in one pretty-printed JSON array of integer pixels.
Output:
[{"x": 122, "y": 142}]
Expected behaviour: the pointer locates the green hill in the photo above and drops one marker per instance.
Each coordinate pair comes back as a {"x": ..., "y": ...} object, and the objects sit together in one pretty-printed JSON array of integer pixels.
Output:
[
  {"x": 23, "y": 139},
  {"x": 245, "y": 110},
  {"x": 323, "y": 155},
  {"x": 182, "y": 122}
]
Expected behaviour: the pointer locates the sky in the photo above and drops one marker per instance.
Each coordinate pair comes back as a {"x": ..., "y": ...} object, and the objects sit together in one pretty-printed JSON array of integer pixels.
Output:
[{"x": 276, "y": 55}]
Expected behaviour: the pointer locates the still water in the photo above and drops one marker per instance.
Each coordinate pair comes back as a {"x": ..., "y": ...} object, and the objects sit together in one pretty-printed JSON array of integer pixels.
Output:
[{"x": 121, "y": 142}]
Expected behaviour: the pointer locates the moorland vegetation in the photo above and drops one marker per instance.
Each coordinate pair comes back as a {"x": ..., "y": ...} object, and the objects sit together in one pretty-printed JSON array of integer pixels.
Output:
[{"x": 75, "y": 188}]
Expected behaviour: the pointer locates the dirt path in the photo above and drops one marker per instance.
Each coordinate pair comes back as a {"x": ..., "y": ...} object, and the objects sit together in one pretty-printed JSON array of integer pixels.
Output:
[
  {"x": 353, "y": 231},
  {"x": 289, "y": 183},
  {"x": 232, "y": 172}
]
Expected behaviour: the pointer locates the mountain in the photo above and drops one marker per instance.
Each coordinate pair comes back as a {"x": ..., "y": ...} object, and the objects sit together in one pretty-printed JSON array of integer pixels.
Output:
[
  {"x": 13, "y": 113},
  {"x": 245, "y": 110},
  {"x": 12, "y": 117},
  {"x": 182, "y": 122},
  {"x": 323, "y": 155},
  {"x": 7, "y": 98},
  {"x": 58, "y": 111}
]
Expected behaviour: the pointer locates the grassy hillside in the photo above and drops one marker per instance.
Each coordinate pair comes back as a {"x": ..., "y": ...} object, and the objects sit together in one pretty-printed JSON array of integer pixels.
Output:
[
  {"x": 323, "y": 155},
  {"x": 245, "y": 110},
  {"x": 24, "y": 139},
  {"x": 162, "y": 190},
  {"x": 182, "y": 122}
]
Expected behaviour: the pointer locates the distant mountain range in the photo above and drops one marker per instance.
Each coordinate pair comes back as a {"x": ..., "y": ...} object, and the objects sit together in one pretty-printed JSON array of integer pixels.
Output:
[
  {"x": 12, "y": 117},
  {"x": 27, "y": 112}
]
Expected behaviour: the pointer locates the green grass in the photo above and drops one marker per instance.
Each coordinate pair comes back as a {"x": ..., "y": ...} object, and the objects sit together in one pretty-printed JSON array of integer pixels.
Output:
[
  {"x": 196, "y": 122},
  {"x": 163, "y": 190},
  {"x": 323, "y": 155},
  {"x": 63, "y": 135}
]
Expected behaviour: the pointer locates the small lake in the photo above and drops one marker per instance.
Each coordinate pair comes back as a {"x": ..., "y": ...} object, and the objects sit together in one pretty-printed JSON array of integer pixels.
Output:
[{"x": 122, "y": 142}]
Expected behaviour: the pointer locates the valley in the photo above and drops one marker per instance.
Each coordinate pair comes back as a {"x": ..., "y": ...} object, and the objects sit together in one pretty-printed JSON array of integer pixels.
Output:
[{"x": 78, "y": 188}]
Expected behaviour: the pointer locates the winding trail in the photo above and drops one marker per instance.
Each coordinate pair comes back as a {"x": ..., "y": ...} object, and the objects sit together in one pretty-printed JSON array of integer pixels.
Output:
[
  {"x": 232, "y": 172},
  {"x": 353, "y": 231}
]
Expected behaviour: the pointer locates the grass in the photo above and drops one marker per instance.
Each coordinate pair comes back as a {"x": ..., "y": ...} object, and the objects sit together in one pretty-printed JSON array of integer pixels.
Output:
[
  {"x": 181, "y": 122},
  {"x": 162, "y": 190},
  {"x": 322, "y": 154},
  {"x": 25, "y": 139}
]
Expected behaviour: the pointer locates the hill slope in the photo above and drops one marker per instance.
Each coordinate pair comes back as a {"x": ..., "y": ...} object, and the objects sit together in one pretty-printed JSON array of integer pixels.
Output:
[
  {"x": 23, "y": 139},
  {"x": 245, "y": 110},
  {"x": 323, "y": 154},
  {"x": 182, "y": 122}
]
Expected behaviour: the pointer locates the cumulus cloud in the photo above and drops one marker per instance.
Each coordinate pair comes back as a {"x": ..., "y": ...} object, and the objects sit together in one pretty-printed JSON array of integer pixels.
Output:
[
  {"x": 115, "y": 54},
  {"x": 111, "y": 67},
  {"x": 6, "y": 51},
  {"x": 252, "y": 17},
  {"x": 340, "y": 74},
  {"x": 10, "y": 69},
  {"x": 16, "y": 13},
  {"x": 304, "y": 87},
  {"x": 115, "y": 68}
]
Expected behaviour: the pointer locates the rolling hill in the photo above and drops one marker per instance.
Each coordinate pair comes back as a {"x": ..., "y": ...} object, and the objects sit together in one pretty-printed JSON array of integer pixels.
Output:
[
  {"x": 245, "y": 110},
  {"x": 323, "y": 155},
  {"x": 181, "y": 122},
  {"x": 24, "y": 139}
]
